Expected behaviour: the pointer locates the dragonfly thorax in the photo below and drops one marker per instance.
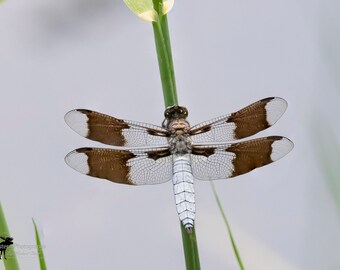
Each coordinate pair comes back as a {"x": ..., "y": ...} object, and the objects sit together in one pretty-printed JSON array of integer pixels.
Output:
[
  {"x": 180, "y": 144},
  {"x": 179, "y": 126}
]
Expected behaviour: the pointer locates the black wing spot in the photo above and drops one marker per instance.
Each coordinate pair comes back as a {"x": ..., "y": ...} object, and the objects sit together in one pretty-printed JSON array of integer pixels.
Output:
[
  {"x": 158, "y": 154},
  {"x": 84, "y": 111}
]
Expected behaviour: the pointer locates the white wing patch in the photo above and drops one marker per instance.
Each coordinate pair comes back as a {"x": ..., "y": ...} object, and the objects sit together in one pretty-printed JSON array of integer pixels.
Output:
[
  {"x": 217, "y": 166},
  {"x": 281, "y": 148},
  {"x": 78, "y": 161},
  {"x": 221, "y": 131},
  {"x": 147, "y": 171},
  {"x": 137, "y": 135},
  {"x": 78, "y": 122},
  {"x": 275, "y": 108}
]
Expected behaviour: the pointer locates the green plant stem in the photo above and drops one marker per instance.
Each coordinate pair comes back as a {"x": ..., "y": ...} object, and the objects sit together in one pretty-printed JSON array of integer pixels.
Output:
[
  {"x": 11, "y": 263},
  {"x": 190, "y": 249},
  {"x": 238, "y": 257},
  {"x": 164, "y": 55},
  {"x": 39, "y": 248},
  {"x": 166, "y": 68}
]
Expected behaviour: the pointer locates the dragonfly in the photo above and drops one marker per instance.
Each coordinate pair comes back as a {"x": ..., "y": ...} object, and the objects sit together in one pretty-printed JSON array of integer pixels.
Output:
[{"x": 146, "y": 154}]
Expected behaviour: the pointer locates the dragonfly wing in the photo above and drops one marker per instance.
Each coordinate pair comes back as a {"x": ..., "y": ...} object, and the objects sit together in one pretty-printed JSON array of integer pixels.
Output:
[
  {"x": 132, "y": 167},
  {"x": 113, "y": 131},
  {"x": 221, "y": 161},
  {"x": 241, "y": 124}
]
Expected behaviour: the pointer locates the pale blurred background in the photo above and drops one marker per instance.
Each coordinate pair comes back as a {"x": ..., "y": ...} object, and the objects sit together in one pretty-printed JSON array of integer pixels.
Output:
[{"x": 59, "y": 55}]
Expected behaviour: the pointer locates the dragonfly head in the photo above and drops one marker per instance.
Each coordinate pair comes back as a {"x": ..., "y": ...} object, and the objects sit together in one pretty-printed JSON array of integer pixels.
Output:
[{"x": 173, "y": 113}]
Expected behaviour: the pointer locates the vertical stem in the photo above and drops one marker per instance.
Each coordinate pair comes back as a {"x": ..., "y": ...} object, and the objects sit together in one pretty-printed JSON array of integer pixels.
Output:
[
  {"x": 233, "y": 243},
  {"x": 39, "y": 248},
  {"x": 164, "y": 54},
  {"x": 11, "y": 263},
  {"x": 166, "y": 68},
  {"x": 192, "y": 260}
]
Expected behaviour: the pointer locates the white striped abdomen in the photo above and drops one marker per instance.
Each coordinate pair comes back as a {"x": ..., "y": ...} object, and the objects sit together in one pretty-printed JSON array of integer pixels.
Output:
[{"x": 184, "y": 190}]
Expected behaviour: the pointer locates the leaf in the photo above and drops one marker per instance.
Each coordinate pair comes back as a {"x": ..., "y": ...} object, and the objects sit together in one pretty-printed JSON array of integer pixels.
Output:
[
  {"x": 167, "y": 6},
  {"x": 39, "y": 248},
  {"x": 144, "y": 9},
  {"x": 233, "y": 243},
  {"x": 11, "y": 262}
]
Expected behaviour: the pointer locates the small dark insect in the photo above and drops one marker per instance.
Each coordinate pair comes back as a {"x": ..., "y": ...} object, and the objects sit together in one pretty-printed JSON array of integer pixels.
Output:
[{"x": 4, "y": 245}]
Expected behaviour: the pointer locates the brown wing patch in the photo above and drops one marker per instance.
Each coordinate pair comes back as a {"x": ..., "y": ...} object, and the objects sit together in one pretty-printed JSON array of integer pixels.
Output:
[
  {"x": 111, "y": 165},
  {"x": 251, "y": 119},
  {"x": 251, "y": 154},
  {"x": 104, "y": 128}
]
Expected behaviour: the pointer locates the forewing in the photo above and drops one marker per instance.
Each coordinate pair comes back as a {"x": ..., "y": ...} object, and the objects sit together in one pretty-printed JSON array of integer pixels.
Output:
[
  {"x": 113, "y": 131},
  {"x": 131, "y": 167},
  {"x": 241, "y": 124},
  {"x": 222, "y": 161}
]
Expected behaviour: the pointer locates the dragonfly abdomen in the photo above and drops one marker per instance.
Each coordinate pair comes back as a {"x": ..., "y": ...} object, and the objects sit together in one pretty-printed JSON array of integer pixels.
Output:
[{"x": 184, "y": 190}]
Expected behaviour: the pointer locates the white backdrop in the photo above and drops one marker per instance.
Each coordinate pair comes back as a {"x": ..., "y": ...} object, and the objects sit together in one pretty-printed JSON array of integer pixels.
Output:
[{"x": 59, "y": 55}]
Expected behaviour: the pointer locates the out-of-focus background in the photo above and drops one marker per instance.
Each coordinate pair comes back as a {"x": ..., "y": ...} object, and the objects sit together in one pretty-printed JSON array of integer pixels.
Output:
[{"x": 59, "y": 55}]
